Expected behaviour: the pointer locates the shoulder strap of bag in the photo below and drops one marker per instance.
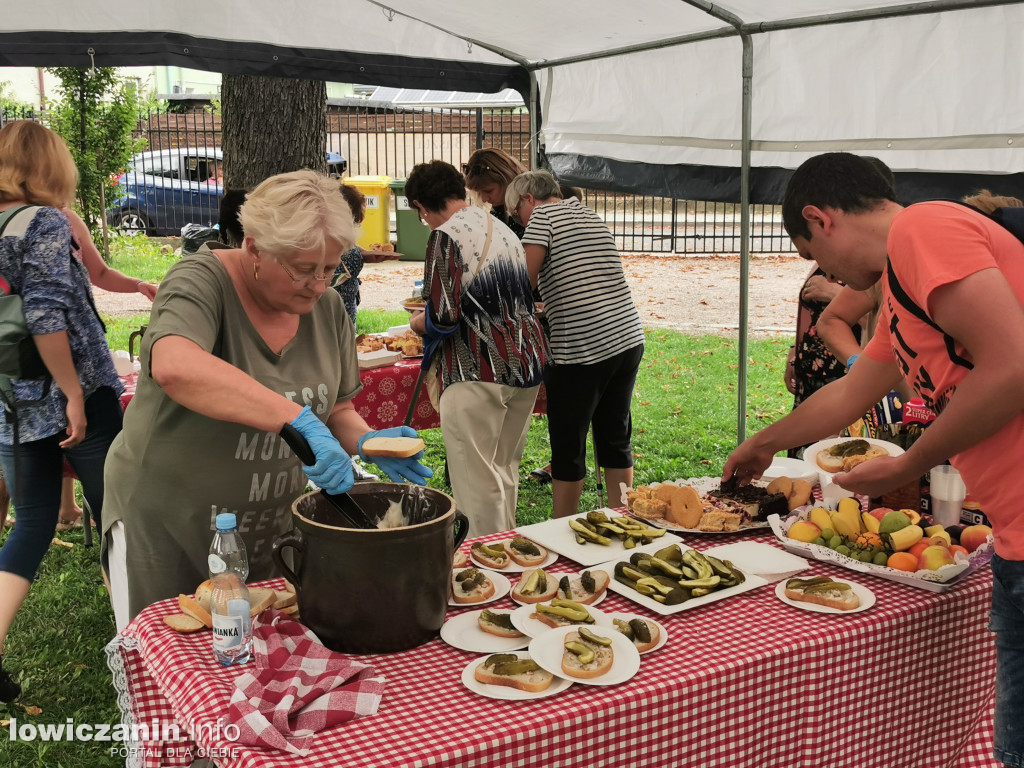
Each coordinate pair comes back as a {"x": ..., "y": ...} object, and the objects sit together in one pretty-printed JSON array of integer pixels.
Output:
[
  {"x": 904, "y": 300},
  {"x": 485, "y": 251}
]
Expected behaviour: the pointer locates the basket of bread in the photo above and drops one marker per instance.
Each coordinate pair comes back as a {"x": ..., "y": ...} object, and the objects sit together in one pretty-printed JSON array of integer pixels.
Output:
[{"x": 195, "y": 613}]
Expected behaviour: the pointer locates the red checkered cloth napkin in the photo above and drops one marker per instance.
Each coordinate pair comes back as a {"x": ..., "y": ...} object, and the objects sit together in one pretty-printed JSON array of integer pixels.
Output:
[{"x": 299, "y": 687}]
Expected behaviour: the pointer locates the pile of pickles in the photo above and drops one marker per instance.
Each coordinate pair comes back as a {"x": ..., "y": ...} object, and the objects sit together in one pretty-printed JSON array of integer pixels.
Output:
[
  {"x": 598, "y": 528},
  {"x": 673, "y": 575}
]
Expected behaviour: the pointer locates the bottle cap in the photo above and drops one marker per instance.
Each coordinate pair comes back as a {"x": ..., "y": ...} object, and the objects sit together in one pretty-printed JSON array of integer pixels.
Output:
[{"x": 226, "y": 521}]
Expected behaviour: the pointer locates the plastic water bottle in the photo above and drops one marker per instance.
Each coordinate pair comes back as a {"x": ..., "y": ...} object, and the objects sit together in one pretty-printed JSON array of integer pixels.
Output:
[{"x": 229, "y": 604}]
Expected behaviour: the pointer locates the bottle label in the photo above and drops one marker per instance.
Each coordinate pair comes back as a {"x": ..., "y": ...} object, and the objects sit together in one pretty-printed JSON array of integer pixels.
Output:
[
  {"x": 217, "y": 565},
  {"x": 230, "y": 631}
]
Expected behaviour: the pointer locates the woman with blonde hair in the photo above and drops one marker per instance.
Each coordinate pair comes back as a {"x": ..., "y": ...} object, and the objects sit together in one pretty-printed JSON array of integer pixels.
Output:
[
  {"x": 73, "y": 409},
  {"x": 241, "y": 342},
  {"x": 488, "y": 173}
]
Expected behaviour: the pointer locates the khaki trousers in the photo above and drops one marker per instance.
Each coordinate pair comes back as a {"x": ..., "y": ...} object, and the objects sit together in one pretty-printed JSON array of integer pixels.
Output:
[{"x": 484, "y": 427}]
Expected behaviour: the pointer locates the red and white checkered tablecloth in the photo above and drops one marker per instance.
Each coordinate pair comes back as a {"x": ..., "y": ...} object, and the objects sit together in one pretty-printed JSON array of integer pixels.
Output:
[
  {"x": 747, "y": 681},
  {"x": 387, "y": 390}
]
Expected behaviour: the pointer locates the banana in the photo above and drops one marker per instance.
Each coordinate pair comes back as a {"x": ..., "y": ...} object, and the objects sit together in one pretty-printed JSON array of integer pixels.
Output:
[
  {"x": 871, "y": 522},
  {"x": 903, "y": 539},
  {"x": 845, "y": 524}
]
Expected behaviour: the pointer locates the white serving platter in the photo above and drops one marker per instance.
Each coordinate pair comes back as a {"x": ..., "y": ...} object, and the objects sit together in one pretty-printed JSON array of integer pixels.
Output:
[
  {"x": 547, "y": 650},
  {"x": 557, "y": 536},
  {"x": 751, "y": 581}
]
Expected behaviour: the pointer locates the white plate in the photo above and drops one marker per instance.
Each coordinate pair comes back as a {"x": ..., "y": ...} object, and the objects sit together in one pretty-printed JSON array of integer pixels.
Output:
[
  {"x": 760, "y": 558},
  {"x": 521, "y": 620},
  {"x": 867, "y": 599},
  {"x": 502, "y": 586},
  {"x": 558, "y": 685},
  {"x": 557, "y": 536},
  {"x": 412, "y": 307},
  {"x": 662, "y": 636},
  {"x": 750, "y": 582},
  {"x": 513, "y": 566},
  {"x": 547, "y": 651},
  {"x": 463, "y": 632},
  {"x": 783, "y": 466},
  {"x": 811, "y": 453},
  {"x": 557, "y": 577}
]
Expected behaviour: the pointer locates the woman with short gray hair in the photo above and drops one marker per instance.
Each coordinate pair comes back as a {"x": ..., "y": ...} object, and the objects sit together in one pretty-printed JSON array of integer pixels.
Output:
[
  {"x": 595, "y": 336},
  {"x": 241, "y": 342}
]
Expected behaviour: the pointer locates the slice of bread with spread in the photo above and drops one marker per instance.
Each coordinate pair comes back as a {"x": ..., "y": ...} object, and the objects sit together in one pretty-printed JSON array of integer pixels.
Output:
[
  {"x": 644, "y": 633},
  {"x": 490, "y": 555},
  {"x": 587, "y": 654},
  {"x": 585, "y": 588},
  {"x": 513, "y": 671},
  {"x": 471, "y": 586},
  {"x": 822, "y": 590},
  {"x": 535, "y": 586},
  {"x": 525, "y": 552},
  {"x": 497, "y": 623}
]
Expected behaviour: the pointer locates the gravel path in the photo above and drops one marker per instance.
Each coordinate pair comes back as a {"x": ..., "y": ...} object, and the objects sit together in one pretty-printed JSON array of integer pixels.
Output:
[{"x": 693, "y": 294}]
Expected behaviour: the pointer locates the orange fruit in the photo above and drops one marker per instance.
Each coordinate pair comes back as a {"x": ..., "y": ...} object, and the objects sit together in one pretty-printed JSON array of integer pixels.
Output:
[
  {"x": 918, "y": 548},
  {"x": 902, "y": 561},
  {"x": 957, "y": 548}
]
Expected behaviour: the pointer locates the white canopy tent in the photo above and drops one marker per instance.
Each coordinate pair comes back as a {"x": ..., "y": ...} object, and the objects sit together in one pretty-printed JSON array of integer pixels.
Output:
[{"x": 685, "y": 98}]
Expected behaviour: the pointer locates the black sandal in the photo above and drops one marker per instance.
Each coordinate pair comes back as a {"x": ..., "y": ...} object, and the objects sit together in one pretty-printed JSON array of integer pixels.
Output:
[{"x": 540, "y": 475}]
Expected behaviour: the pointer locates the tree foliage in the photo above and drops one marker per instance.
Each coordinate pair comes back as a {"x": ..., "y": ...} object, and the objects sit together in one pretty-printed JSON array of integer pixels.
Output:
[{"x": 96, "y": 114}]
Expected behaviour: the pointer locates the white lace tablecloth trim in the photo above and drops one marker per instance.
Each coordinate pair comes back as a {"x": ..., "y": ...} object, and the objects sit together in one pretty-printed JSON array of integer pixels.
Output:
[{"x": 115, "y": 661}]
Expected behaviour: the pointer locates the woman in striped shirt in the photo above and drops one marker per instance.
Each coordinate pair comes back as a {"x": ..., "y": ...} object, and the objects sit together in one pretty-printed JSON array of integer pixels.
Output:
[{"x": 595, "y": 335}]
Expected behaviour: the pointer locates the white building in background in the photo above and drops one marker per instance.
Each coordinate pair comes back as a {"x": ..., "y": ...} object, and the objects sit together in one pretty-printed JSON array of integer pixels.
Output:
[{"x": 33, "y": 85}]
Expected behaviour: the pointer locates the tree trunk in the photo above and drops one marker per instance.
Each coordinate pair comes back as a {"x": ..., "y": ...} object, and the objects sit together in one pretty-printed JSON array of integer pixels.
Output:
[{"x": 271, "y": 125}]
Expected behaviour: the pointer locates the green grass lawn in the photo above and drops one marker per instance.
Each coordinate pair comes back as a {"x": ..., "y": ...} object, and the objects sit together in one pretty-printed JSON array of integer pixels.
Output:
[{"x": 684, "y": 421}]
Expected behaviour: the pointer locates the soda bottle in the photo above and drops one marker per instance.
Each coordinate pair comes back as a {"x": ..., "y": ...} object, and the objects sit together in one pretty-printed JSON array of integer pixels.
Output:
[{"x": 229, "y": 604}]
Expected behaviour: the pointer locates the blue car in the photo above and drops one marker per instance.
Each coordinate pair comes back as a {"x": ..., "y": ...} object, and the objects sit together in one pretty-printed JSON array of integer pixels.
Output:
[{"x": 164, "y": 190}]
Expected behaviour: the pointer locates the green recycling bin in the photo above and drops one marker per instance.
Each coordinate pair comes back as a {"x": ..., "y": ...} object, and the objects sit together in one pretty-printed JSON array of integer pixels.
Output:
[{"x": 411, "y": 232}]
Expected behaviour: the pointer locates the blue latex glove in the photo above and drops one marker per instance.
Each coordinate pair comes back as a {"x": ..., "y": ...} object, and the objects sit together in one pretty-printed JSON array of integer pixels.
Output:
[
  {"x": 399, "y": 470},
  {"x": 333, "y": 468},
  {"x": 851, "y": 360}
]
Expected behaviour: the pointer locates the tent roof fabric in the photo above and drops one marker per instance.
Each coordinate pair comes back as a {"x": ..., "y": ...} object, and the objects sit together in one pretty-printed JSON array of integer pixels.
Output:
[{"x": 644, "y": 85}]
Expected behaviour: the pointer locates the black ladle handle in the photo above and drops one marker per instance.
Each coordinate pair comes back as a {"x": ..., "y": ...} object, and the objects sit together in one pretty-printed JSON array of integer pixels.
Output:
[{"x": 299, "y": 444}]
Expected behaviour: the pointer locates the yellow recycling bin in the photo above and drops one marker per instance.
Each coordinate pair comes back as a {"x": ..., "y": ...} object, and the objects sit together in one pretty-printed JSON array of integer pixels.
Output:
[{"x": 376, "y": 227}]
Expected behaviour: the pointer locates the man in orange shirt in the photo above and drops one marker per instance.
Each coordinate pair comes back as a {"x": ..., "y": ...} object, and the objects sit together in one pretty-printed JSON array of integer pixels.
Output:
[{"x": 967, "y": 273}]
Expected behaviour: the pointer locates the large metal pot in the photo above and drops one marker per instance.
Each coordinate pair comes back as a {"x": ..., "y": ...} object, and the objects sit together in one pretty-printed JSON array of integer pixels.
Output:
[{"x": 373, "y": 591}]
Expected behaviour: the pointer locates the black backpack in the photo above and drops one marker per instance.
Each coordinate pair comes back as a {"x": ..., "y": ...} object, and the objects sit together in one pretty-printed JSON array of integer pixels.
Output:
[{"x": 1012, "y": 220}]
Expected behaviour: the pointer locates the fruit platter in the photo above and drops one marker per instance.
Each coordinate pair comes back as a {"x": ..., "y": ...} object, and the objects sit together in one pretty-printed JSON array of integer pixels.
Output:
[{"x": 895, "y": 544}]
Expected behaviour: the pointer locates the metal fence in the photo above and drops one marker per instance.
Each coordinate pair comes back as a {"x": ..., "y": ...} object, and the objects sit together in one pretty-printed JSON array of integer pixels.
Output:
[{"x": 386, "y": 141}]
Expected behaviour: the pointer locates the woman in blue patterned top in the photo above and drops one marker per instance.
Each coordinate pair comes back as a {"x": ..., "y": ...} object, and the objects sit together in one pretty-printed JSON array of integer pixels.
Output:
[
  {"x": 75, "y": 412},
  {"x": 480, "y": 324}
]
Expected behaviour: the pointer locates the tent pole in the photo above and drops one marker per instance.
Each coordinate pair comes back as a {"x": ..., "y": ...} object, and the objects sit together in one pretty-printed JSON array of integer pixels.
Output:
[
  {"x": 534, "y": 122},
  {"x": 748, "y": 71}
]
